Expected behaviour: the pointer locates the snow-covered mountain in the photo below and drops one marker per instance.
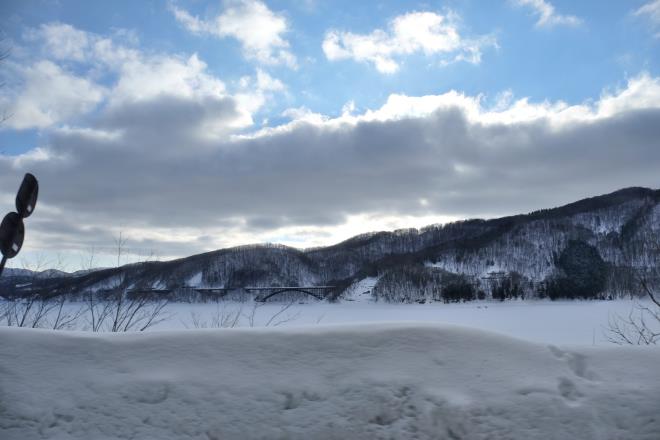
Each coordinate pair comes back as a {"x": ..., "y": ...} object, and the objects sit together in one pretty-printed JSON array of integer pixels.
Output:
[{"x": 594, "y": 247}]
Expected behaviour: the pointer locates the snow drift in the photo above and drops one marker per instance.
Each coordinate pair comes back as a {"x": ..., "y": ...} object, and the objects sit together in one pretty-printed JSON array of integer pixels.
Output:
[{"x": 345, "y": 382}]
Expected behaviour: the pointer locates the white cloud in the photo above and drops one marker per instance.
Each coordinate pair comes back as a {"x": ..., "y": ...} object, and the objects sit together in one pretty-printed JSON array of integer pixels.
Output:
[
  {"x": 348, "y": 108},
  {"x": 651, "y": 11},
  {"x": 265, "y": 82},
  {"x": 139, "y": 75},
  {"x": 259, "y": 30},
  {"x": 63, "y": 41},
  {"x": 254, "y": 91},
  {"x": 547, "y": 15},
  {"x": 193, "y": 24},
  {"x": 51, "y": 95},
  {"x": 297, "y": 115},
  {"x": 425, "y": 32},
  {"x": 640, "y": 93},
  {"x": 148, "y": 77}
]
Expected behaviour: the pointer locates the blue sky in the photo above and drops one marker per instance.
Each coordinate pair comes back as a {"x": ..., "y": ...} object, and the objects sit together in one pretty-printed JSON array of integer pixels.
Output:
[
  {"x": 247, "y": 73},
  {"x": 558, "y": 62}
]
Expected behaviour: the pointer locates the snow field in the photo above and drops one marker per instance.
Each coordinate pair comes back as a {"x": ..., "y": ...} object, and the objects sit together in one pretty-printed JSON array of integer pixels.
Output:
[
  {"x": 377, "y": 381},
  {"x": 552, "y": 322}
]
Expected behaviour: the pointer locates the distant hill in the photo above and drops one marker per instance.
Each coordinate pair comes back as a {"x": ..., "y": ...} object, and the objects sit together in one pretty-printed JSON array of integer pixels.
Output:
[{"x": 594, "y": 247}]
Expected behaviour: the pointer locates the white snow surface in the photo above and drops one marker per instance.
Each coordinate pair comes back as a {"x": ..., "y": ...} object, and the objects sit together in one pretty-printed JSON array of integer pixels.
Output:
[
  {"x": 377, "y": 381},
  {"x": 550, "y": 322},
  {"x": 195, "y": 280}
]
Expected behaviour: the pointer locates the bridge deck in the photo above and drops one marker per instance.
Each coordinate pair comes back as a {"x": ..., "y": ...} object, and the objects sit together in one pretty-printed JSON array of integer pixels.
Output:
[{"x": 263, "y": 292}]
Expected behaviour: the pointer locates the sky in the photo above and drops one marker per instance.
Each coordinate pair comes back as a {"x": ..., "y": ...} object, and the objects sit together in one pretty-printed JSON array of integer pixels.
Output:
[{"x": 189, "y": 126}]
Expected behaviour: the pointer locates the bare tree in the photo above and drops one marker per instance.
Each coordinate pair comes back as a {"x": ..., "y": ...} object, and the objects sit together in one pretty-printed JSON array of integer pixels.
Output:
[
  {"x": 87, "y": 260},
  {"x": 35, "y": 309},
  {"x": 642, "y": 325},
  {"x": 4, "y": 311},
  {"x": 64, "y": 318},
  {"x": 130, "y": 314},
  {"x": 120, "y": 243},
  {"x": 226, "y": 317},
  {"x": 118, "y": 311},
  {"x": 98, "y": 311},
  {"x": 31, "y": 309},
  {"x": 223, "y": 317},
  {"x": 276, "y": 319}
]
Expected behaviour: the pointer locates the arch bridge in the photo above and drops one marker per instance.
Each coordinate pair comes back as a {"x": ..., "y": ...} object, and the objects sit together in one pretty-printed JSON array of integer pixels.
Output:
[{"x": 263, "y": 294}]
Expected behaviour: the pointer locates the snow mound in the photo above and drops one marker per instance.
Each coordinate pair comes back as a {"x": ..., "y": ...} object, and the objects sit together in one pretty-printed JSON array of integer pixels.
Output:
[{"x": 325, "y": 382}]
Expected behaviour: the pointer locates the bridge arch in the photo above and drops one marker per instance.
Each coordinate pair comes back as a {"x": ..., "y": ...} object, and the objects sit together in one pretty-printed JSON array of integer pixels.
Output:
[{"x": 289, "y": 289}]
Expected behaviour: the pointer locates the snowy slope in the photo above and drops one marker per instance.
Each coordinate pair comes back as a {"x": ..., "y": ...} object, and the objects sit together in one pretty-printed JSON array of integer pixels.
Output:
[
  {"x": 360, "y": 291},
  {"x": 345, "y": 382}
]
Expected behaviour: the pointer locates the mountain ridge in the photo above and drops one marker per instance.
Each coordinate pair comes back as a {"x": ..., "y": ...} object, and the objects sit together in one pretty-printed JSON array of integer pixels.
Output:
[{"x": 623, "y": 227}]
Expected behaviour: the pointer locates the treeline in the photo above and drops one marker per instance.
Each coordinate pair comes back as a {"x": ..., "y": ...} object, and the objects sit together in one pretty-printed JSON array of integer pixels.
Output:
[
  {"x": 419, "y": 284},
  {"x": 580, "y": 273}
]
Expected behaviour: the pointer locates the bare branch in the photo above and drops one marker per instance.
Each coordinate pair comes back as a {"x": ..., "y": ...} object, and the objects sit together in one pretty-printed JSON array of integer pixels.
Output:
[
  {"x": 640, "y": 327},
  {"x": 285, "y": 319},
  {"x": 65, "y": 319},
  {"x": 222, "y": 318}
]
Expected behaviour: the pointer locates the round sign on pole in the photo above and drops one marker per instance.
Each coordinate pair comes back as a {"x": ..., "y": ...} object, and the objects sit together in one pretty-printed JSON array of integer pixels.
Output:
[
  {"x": 26, "y": 199},
  {"x": 12, "y": 229},
  {"x": 12, "y": 233}
]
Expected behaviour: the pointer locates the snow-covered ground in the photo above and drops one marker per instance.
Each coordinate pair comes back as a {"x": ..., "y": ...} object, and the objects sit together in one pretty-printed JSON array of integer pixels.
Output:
[
  {"x": 378, "y": 381},
  {"x": 560, "y": 322}
]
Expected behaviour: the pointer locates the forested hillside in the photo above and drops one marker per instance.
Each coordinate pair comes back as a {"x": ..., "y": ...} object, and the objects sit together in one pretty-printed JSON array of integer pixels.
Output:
[{"x": 593, "y": 248}]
